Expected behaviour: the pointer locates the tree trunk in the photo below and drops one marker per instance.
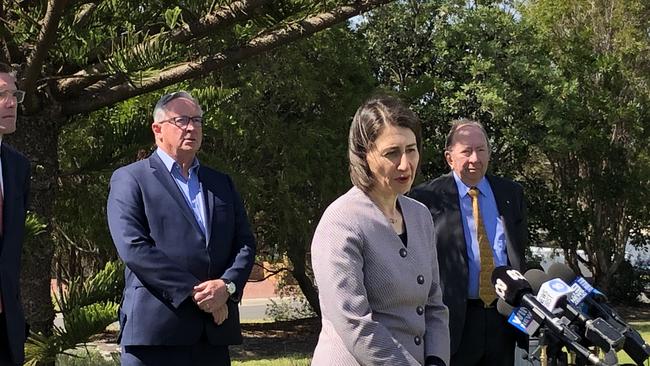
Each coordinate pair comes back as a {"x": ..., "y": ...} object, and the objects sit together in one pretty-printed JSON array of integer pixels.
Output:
[
  {"x": 37, "y": 137},
  {"x": 296, "y": 254}
]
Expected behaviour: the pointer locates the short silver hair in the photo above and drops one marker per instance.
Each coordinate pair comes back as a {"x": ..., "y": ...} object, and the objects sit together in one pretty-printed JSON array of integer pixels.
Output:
[
  {"x": 160, "y": 109},
  {"x": 457, "y": 124}
]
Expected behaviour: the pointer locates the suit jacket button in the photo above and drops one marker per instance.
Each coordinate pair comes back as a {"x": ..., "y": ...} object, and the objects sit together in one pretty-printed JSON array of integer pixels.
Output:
[
  {"x": 166, "y": 296},
  {"x": 403, "y": 252},
  {"x": 420, "y": 279},
  {"x": 420, "y": 310},
  {"x": 417, "y": 340}
]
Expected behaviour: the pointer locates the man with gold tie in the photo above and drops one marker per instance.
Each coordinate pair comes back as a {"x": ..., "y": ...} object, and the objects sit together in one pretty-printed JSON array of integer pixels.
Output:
[{"x": 479, "y": 224}]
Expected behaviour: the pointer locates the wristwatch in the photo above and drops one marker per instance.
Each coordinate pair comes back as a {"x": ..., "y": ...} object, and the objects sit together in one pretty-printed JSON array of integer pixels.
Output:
[{"x": 230, "y": 286}]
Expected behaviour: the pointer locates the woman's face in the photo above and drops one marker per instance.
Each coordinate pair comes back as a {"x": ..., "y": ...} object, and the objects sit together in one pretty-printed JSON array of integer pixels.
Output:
[{"x": 393, "y": 160}]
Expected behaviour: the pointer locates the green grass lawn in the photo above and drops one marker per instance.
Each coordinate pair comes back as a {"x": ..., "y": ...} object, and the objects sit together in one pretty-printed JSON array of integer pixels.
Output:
[
  {"x": 297, "y": 360},
  {"x": 644, "y": 329}
]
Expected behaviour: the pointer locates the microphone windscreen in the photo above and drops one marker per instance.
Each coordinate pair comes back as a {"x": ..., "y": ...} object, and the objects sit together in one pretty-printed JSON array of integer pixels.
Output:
[
  {"x": 536, "y": 278},
  {"x": 509, "y": 284},
  {"x": 561, "y": 271},
  {"x": 503, "y": 308}
]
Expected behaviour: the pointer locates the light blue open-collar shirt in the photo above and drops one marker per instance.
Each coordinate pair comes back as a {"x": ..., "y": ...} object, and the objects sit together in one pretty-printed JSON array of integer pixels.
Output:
[
  {"x": 190, "y": 187},
  {"x": 494, "y": 229}
]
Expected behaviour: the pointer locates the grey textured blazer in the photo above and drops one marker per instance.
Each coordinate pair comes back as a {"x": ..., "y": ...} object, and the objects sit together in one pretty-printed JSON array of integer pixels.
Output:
[{"x": 381, "y": 303}]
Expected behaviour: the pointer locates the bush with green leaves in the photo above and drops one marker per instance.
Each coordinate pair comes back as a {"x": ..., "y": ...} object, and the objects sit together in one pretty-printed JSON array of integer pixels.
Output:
[
  {"x": 630, "y": 282},
  {"x": 88, "y": 307},
  {"x": 291, "y": 305}
]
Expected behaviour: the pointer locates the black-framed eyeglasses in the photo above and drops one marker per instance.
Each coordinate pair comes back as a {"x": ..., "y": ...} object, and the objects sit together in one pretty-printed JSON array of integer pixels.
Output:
[
  {"x": 183, "y": 121},
  {"x": 19, "y": 95}
]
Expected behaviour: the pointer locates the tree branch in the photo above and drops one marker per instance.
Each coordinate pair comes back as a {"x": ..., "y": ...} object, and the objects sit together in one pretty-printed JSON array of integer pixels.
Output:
[
  {"x": 221, "y": 17},
  {"x": 105, "y": 94},
  {"x": 10, "y": 51},
  {"x": 270, "y": 272},
  {"x": 45, "y": 40}
]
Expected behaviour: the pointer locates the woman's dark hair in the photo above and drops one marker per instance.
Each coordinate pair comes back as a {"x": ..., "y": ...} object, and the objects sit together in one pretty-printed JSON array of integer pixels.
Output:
[{"x": 367, "y": 124}]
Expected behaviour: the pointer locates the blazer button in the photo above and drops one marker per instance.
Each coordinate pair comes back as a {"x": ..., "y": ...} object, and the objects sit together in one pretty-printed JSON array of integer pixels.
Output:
[
  {"x": 420, "y": 310},
  {"x": 420, "y": 279},
  {"x": 403, "y": 252},
  {"x": 417, "y": 340}
]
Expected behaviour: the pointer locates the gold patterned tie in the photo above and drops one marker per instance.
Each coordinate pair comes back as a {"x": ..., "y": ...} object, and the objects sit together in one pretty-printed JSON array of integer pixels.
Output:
[{"x": 485, "y": 288}]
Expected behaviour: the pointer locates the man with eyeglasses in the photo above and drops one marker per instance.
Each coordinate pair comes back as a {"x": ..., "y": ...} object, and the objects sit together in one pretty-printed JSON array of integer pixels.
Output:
[
  {"x": 14, "y": 191},
  {"x": 182, "y": 231}
]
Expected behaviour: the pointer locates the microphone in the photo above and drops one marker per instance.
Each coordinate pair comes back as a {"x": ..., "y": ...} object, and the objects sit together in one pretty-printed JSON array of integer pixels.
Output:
[
  {"x": 554, "y": 293},
  {"x": 584, "y": 293},
  {"x": 520, "y": 317},
  {"x": 536, "y": 277},
  {"x": 511, "y": 286}
]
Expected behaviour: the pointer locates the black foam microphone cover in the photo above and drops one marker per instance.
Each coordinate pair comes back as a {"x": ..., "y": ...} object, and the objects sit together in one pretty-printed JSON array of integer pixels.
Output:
[
  {"x": 503, "y": 308},
  {"x": 561, "y": 271},
  {"x": 509, "y": 284},
  {"x": 536, "y": 278}
]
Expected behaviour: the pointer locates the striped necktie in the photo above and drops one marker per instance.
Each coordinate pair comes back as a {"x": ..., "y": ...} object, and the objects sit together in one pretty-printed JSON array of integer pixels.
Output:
[{"x": 486, "y": 289}]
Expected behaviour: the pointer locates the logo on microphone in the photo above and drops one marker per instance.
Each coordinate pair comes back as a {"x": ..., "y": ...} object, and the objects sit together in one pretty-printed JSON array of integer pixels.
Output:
[
  {"x": 500, "y": 288},
  {"x": 552, "y": 293},
  {"x": 515, "y": 275},
  {"x": 524, "y": 320},
  {"x": 559, "y": 286}
]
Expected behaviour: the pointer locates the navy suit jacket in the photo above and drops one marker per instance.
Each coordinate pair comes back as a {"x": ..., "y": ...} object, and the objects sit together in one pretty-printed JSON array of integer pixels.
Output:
[
  {"x": 165, "y": 252},
  {"x": 441, "y": 197},
  {"x": 15, "y": 176}
]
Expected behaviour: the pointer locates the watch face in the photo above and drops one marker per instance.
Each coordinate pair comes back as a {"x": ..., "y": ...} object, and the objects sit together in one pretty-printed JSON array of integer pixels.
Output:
[{"x": 230, "y": 287}]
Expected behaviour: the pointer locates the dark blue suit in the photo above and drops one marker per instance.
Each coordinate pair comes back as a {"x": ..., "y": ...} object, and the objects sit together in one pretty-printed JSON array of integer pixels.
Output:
[
  {"x": 441, "y": 197},
  {"x": 165, "y": 252},
  {"x": 15, "y": 176}
]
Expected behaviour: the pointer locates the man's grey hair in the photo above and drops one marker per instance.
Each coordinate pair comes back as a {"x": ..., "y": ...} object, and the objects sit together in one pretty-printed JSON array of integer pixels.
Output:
[
  {"x": 160, "y": 109},
  {"x": 457, "y": 124}
]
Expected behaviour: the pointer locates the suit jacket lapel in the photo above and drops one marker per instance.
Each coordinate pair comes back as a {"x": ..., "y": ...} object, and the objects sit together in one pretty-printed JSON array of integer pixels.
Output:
[
  {"x": 455, "y": 215},
  {"x": 208, "y": 197},
  {"x": 504, "y": 204},
  {"x": 8, "y": 183},
  {"x": 161, "y": 172}
]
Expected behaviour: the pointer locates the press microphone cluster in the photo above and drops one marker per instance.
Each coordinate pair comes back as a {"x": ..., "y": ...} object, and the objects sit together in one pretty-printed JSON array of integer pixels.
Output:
[
  {"x": 595, "y": 303},
  {"x": 545, "y": 306},
  {"x": 554, "y": 293},
  {"x": 511, "y": 286}
]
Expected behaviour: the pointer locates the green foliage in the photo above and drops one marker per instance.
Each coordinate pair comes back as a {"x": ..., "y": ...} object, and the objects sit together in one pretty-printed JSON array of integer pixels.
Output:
[
  {"x": 34, "y": 226},
  {"x": 291, "y": 305},
  {"x": 81, "y": 323},
  {"x": 451, "y": 60},
  {"x": 284, "y": 135},
  {"x": 562, "y": 91},
  {"x": 105, "y": 285},
  {"x": 593, "y": 119},
  {"x": 86, "y": 358},
  {"x": 88, "y": 307},
  {"x": 630, "y": 283},
  {"x": 297, "y": 360}
]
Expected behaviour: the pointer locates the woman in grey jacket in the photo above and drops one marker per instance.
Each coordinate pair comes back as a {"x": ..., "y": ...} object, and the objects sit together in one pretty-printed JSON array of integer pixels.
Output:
[{"x": 373, "y": 254}]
